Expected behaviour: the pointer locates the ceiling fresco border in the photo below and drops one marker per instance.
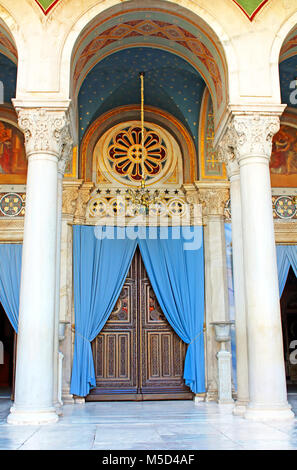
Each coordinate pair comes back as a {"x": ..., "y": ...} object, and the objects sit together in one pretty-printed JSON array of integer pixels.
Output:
[
  {"x": 289, "y": 47},
  {"x": 7, "y": 45},
  {"x": 250, "y": 8},
  {"x": 209, "y": 166},
  {"x": 191, "y": 42}
]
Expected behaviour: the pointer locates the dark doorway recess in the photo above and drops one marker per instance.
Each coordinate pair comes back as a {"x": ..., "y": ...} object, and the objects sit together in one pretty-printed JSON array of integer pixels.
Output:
[{"x": 289, "y": 326}]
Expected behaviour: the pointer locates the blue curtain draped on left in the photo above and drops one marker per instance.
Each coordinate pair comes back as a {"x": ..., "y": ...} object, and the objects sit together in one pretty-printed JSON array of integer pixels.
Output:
[
  {"x": 286, "y": 257},
  {"x": 100, "y": 267},
  {"x": 10, "y": 278}
]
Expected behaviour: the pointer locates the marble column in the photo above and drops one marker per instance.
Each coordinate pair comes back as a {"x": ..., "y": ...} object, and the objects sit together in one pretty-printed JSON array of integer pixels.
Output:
[
  {"x": 226, "y": 154},
  {"x": 66, "y": 155},
  {"x": 45, "y": 132},
  {"x": 70, "y": 199},
  {"x": 213, "y": 197},
  {"x": 267, "y": 381}
]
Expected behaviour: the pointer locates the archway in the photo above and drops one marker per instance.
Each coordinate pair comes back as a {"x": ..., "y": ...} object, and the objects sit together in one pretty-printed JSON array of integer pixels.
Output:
[{"x": 185, "y": 68}]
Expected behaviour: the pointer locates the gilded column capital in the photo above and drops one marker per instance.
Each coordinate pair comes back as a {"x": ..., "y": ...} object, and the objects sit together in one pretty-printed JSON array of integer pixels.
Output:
[
  {"x": 46, "y": 131},
  {"x": 213, "y": 197}
]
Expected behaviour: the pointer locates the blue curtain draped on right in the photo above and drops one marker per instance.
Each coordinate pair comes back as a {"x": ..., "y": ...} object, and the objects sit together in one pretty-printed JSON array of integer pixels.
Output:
[
  {"x": 286, "y": 257},
  {"x": 177, "y": 277},
  {"x": 10, "y": 278}
]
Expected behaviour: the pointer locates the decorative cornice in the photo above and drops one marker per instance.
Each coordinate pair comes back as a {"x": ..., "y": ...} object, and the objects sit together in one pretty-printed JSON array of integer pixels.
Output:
[{"x": 46, "y": 131}]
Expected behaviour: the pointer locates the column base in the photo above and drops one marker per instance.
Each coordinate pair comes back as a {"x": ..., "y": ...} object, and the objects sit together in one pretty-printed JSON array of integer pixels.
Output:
[
  {"x": 269, "y": 413},
  {"x": 226, "y": 402},
  {"x": 59, "y": 408},
  {"x": 199, "y": 398},
  {"x": 68, "y": 399},
  {"x": 240, "y": 408},
  {"x": 32, "y": 417}
]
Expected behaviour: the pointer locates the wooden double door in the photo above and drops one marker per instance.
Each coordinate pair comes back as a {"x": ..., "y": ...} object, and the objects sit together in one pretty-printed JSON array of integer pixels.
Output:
[{"x": 137, "y": 355}]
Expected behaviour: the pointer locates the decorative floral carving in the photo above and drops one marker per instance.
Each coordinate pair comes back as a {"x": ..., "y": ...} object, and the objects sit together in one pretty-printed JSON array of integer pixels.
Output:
[
  {"x": 45, "y": 131},
  {"x": 213, "y": 200},
  {"x": 254, "y": 134},
  {"x": 227, "y": 151},
  {"x": 70, "y": 196},
  {"x": 82, "y": 200},
  {"x": 125, "y": 152}
]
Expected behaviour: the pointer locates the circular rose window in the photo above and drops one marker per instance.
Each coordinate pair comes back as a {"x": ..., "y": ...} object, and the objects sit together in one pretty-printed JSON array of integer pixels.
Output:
[{"x": 121, "y": 158}]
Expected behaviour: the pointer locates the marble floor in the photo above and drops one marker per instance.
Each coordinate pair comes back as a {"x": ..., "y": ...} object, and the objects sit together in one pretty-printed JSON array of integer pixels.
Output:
[{"x": 167, "y": 425}]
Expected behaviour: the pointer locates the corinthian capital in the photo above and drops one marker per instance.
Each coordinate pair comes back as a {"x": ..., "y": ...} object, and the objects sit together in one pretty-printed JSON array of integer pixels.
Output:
[
  {"x": 213, "y": 197},
  {"x": 253, "y": 134},
  {"x": 227, "y": 149},
  {"x": 45, "y": 131}
]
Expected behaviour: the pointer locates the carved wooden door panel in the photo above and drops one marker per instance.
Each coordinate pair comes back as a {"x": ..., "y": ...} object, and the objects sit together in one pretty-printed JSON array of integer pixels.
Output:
[
  {"x": 163, "y": 352},
  {"x": 137, "y": 355},
  {"x": 115, "y": 348}
]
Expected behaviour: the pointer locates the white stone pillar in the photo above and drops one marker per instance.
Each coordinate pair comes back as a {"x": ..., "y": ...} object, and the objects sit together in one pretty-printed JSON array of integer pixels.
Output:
[
  {"x": 267, "y": 381},
  {"x": 226, "y": 153},
  {"x": 213, "y": 197},
  {"x": 70, "y": 197},
  {"x": 44, "y": 132},
  {"x": 61, "y": 169}
]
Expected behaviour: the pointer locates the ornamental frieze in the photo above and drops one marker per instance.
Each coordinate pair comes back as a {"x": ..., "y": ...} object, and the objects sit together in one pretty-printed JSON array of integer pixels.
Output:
[{"x": 84, "y": 203}]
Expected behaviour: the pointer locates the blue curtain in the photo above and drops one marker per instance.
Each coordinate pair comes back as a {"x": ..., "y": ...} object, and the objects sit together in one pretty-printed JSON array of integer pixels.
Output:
[
  {"x": 286, "y": 257},
  {"x": 177, "y": 277},
  {"x": 10, "y": 277},
  {"x": 175, "y": 266},
  {"x": 100, "y": 266}
]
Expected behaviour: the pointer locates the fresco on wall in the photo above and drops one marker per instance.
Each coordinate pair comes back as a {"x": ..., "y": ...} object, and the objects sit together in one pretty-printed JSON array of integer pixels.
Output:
[
  {"x": 283, "y": 164},
  {"x": 13, "y": 162}
]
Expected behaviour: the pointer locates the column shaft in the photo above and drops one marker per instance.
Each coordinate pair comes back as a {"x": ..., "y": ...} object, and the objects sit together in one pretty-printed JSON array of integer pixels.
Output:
[
  {"x": 46, "y": 137},
  {"x": 239, "y": 296},
  {"x": 35, "y": 346},
  {"x": 267, "y": 381}
]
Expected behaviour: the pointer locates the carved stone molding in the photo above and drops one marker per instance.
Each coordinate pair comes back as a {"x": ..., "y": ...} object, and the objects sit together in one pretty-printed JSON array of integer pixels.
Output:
[
  {"x": 227, "y": 151},
  {"x": 82, "y": 201},
  {"x": 192, "y": 198},
  {"x": 249, "y": 135},
  {"x": 46, "y": 131},
  {"x": 213, "y": 197},
  {"x": 70, "y": 196}
]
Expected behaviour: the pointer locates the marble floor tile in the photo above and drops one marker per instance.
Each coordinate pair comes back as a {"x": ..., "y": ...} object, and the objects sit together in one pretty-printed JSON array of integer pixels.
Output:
[{"x": 172, "y": 425}]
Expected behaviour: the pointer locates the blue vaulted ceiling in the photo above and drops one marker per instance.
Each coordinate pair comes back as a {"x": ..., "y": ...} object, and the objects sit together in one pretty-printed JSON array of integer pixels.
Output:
[
  {"x": 288, "y": 73},
  {"x": 171, "y": 84},
  {"x": 8, "y": 75}
]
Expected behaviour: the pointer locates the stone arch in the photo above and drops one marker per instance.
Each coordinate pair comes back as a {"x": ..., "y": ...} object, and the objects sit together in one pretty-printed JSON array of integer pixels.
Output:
[
  {"x": 280, "y": 50},
  {"x": 218, "y": 56}
]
